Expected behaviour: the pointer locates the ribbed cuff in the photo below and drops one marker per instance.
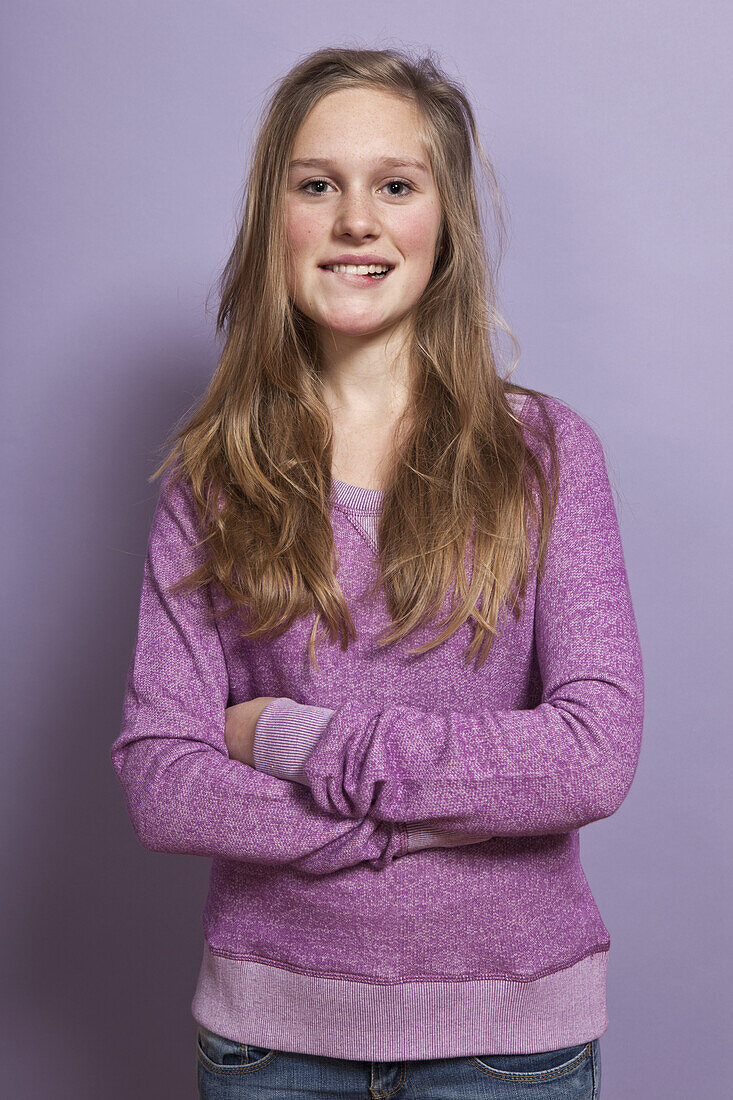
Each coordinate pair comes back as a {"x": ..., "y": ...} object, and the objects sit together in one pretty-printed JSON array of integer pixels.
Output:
[
  {"x": 422, "y": 836},
  {"x": 285, "y": 735}
]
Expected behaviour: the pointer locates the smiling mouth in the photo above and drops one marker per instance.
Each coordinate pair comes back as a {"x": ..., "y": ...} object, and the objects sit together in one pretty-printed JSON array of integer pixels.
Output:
[{"x": 358, "y": 274}]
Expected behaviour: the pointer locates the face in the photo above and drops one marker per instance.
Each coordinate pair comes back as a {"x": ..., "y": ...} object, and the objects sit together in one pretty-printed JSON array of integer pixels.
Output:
[{"x": 360, "y": 196}]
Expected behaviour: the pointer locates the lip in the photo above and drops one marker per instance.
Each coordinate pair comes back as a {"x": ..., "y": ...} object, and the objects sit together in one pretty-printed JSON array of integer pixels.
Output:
[
  {"x": 353, "y": 258},
  {"x": 362, "y": 281}
]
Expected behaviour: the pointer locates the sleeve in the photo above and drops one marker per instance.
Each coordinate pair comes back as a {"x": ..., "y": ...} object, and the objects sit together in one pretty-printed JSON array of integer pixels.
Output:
[
  {"x": 285, "y": 735},
  {"x": 563, "y": 764},
  {"x": 183, "y": 793}
]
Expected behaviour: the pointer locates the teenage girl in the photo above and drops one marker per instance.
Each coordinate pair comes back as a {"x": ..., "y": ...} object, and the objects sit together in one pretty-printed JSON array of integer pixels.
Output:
[{"x": 397, "y": 904}]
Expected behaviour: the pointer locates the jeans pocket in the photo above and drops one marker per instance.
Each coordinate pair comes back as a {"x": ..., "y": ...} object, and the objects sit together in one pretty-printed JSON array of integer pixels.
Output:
[
  {"x": 545, "y": 1065},
  {"x": 228, "y": 1056}
]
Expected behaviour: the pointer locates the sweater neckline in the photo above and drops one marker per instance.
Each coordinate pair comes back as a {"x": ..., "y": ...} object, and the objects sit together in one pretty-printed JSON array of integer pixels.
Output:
[{"x": 354, "y": 498}]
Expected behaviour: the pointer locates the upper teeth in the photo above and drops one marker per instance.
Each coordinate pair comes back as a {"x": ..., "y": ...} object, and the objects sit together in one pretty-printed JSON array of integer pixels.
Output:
[{"x": 354, "y": 269}]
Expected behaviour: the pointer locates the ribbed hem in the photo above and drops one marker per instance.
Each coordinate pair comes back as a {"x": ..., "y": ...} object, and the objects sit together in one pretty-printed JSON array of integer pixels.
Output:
[{"x": 276, "y": 1007}]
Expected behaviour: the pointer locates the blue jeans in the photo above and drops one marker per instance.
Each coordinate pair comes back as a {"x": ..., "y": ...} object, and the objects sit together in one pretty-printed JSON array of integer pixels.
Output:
[{"x": 228, "y": 1070}]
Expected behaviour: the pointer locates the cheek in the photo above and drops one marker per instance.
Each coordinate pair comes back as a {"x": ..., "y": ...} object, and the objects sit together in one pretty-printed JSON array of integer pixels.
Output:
[
  {"x": 302, "y": 231},
  {"x": 302, "y": 234},
  {"x": 298, "y": 235},
  {"x": 418, "y": 235}
]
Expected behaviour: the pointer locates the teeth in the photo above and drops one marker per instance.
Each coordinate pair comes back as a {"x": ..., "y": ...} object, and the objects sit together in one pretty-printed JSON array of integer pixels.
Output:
[{"x": 354, "y": 269}]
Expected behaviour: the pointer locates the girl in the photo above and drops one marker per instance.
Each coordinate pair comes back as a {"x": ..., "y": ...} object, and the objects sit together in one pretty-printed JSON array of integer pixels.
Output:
[{"x": 387, "y": 664}]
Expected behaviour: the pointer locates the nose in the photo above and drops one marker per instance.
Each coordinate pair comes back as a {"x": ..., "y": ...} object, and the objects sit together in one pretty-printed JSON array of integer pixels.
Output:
[{"x": 356, "y": 217}]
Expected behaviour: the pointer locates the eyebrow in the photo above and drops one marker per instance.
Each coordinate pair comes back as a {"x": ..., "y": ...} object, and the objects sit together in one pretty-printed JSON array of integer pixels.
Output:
[{"x": 383, "y": 162}]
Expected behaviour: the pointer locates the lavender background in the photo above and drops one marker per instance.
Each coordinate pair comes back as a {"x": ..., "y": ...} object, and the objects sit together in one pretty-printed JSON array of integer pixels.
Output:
[{"x": 125, "y": 132}]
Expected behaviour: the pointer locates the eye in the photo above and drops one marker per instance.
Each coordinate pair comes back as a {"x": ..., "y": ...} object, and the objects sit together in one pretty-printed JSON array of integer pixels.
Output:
[
  {"x": 310, "y": 184},
  {"x": 395, "y": 195},
  {"x": 400, "y": 183}
]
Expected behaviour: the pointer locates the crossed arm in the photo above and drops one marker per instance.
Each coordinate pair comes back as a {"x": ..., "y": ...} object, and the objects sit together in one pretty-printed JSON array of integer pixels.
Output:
[
  {"x": 334, "y": 787},
  {"x": 494, "y": 771},
  {"x": 183, "y": 793}
]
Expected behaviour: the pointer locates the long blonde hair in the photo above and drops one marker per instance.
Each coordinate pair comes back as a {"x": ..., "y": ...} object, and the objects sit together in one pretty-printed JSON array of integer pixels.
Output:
[{"x": 256, "y": 451}]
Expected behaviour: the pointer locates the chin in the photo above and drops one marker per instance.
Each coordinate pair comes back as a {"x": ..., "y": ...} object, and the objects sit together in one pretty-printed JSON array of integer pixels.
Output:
[{"x": 358, "y": 326}]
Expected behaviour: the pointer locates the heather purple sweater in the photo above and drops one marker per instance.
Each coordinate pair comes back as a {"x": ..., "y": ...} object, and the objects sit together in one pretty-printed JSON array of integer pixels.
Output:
[{"x": 399, "y": 875}]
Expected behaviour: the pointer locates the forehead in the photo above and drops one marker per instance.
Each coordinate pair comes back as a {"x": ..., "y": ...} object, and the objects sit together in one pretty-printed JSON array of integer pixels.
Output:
[{"x": 362, "y": 125}]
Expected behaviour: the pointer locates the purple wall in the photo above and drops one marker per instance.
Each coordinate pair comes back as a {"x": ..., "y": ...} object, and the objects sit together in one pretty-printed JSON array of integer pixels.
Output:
[{"x": 125, "y": 132}]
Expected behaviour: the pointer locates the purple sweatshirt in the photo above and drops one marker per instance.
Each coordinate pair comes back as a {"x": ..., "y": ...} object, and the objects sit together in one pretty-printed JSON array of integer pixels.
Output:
[{"x": 399, "y": 875}]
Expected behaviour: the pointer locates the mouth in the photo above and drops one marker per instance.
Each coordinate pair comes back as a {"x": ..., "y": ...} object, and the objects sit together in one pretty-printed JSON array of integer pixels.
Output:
[{"x": 358, "y": 275}]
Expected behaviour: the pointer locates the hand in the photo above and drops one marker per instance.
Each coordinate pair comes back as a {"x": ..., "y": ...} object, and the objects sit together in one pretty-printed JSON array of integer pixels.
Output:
[{"x": 239, "y": 728}]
